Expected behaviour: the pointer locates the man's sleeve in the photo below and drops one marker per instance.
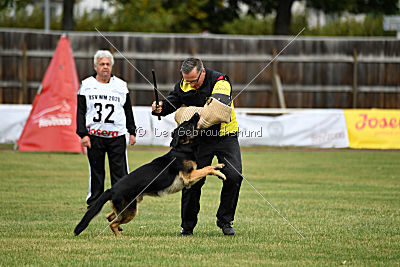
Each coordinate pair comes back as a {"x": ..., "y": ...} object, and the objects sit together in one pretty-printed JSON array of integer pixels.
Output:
[
  {"x": 171, "y": 103},
  {"x": 81, "y": 129},
  {"x": 130, "y": 120},
  {"x": 218, "y": 107},
  {"x": 222, "y": 91}
]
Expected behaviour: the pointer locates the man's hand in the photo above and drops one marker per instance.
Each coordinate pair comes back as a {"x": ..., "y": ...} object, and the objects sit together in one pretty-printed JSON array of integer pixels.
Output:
[
  {"x": 132, "y": 140},
  {"x": 85, "y": 141},
  {"x": 153, "y": 107}
]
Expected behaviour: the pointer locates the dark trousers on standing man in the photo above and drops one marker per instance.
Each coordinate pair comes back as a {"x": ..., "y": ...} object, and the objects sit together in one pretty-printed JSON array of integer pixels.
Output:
[
  {"x": 227, "y": 150},
  {"x": 116, "y": 150}
]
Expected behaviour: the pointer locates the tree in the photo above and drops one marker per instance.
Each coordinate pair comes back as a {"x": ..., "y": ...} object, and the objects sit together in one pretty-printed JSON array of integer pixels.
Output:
[
  {"x": 282, "y": 8},
  {"x": 174, "y": 15},
  {"x": 68, "y": 23},
  {"x": 201, "y": 15},
  {"x": 283, "y": 17},
  {"x": 17, "y": 4},
  {"x": 356, "y": 6}
]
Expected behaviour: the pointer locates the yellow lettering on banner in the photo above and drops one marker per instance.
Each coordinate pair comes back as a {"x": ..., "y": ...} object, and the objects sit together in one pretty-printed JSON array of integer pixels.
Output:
[
  {"x": 373, "y": 128},
  {"x": 222, "y": 87}
]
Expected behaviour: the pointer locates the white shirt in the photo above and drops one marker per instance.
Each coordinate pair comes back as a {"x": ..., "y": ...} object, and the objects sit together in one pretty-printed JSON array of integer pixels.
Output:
[{"x": 105, "y": 115}]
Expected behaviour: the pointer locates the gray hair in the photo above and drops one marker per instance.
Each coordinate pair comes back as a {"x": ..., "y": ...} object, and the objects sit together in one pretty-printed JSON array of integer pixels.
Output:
[
  {"x": 190, "y": 63},
  {"x": 101, "y": 54}
]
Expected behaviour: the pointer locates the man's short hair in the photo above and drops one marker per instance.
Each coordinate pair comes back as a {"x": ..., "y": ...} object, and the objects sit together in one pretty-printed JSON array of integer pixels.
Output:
[
  {"x": 190, "y": 63},
  {"x": 101, "y": 54}
]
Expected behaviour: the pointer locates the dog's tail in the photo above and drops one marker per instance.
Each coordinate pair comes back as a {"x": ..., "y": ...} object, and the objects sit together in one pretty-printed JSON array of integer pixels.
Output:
[{"x": 93, "y": 211}]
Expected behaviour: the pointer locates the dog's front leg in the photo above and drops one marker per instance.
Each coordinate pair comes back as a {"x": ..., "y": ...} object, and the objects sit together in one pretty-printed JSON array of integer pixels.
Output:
[{"x": 196, "y": 175}]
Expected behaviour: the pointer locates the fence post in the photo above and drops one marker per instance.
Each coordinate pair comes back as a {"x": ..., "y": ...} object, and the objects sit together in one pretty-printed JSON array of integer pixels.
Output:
[
  {"x": 276, "y": 83},
  {"x": 274, "y": 96},
  {"x": 24, "y": 74},
  {"x": 355, "y": 89},
  {"x": 21, "y": 93}
]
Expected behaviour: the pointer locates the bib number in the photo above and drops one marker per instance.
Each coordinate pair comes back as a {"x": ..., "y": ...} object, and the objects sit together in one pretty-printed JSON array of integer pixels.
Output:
[{"x": 99, "y": 108}]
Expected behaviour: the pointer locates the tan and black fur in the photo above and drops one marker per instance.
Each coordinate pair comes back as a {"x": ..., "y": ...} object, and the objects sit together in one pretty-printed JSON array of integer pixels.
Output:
[{"x": 167, "y": 174}]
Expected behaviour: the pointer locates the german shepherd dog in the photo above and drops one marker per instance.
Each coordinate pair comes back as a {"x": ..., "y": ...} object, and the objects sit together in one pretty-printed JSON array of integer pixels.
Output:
[{"x": 164, "y": 175}]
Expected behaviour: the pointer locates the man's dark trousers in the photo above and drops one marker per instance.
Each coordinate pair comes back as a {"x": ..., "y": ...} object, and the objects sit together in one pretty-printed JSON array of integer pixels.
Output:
[
  {"x": 115, "y": 147},
  {"x": 227, "y": 150}
]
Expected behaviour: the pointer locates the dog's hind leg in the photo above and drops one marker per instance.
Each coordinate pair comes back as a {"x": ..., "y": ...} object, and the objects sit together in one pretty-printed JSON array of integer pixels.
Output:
[
  {"x": 121, "y": 215},
  {"x": 114, "y": 227},
  {"x": 111, "y": 216},
  {"x": 115, "y": 224}
]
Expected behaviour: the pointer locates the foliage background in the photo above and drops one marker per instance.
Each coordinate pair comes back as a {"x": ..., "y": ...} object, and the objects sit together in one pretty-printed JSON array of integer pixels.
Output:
[{"x": 214, "y": 16}]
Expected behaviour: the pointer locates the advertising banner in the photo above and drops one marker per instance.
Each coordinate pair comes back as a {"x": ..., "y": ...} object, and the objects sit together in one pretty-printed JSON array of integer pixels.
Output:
[
  {"x": 314, "y": 128},
  {"x": 51, "y": 124},
  {"x": 373, "y": 128}
]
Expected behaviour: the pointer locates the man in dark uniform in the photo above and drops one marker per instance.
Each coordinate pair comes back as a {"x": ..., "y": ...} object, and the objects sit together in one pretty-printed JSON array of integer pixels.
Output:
[{"x": 202, "y": 87}]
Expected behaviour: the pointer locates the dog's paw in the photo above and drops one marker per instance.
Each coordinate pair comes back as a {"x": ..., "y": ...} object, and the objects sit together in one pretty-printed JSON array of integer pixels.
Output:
[
  {"x": 219, "y": 174},
  {"x": 218, "y": 166}
]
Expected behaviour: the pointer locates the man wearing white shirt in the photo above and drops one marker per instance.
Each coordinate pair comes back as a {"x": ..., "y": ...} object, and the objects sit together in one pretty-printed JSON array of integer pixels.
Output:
[{"x": 104, "y": 116}]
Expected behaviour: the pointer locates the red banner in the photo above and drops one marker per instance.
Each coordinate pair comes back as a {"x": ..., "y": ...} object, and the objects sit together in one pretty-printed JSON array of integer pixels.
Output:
[{"x": 51, "y": 125}]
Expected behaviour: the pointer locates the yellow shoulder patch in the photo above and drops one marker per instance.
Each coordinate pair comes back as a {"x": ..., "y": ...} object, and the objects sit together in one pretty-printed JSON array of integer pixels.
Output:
[{"x": 222, "y": 87}]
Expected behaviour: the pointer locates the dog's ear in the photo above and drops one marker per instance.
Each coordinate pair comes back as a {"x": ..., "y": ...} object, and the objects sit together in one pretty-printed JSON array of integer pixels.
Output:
[
  {"x": 195, "y": 118},
  {"x": 175, "y": 139}
]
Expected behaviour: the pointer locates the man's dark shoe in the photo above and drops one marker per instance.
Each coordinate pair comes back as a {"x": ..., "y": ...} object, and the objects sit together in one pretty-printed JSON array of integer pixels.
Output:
[
  {"x": 186, "y": 232},
  {"x": 227, "y": 228}
]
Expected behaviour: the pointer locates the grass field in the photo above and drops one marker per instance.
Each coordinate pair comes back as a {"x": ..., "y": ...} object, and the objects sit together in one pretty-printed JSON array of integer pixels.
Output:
[{"x": 345, "y": 202}]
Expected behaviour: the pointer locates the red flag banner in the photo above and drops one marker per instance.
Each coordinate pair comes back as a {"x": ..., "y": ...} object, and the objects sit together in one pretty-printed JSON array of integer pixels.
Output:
[{"x": 51, "y": 125}]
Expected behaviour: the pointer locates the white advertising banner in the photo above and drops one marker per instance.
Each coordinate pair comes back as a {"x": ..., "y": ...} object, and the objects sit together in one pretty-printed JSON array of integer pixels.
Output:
[
  {"x": 12, "y": 122},
  {"x": 314, "y": 128},
  {"x": 325, "y": 129},
  {"x": 150, "y": 130}
]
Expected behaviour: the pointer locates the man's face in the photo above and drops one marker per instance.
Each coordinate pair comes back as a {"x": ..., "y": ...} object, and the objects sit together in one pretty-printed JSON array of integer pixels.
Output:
[
  {"x": 103, "y": 68},
  {"x": 194, "y": 78}
]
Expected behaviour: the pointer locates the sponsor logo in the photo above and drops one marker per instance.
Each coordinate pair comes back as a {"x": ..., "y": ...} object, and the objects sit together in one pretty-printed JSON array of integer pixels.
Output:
[
  {"x": 100, "y": 132},
  {"x": 374, "y": 122},
  {"x": 57, "y": 120},
  {"x": 58, "y": 115},
  {"x": 324, "y": 137}
]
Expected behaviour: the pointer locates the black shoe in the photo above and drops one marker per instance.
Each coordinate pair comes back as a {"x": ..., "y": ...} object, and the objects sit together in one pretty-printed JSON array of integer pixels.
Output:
[
  {"x": 227, "y": 228},
  {"x": 120, "y": 229},
  {"x": 186, "y": 232}
]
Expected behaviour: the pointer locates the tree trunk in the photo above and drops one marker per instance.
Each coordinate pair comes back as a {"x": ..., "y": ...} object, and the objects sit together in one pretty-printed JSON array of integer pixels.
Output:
[
  {"x": 283, "y": 17},
  {"x": 68, "y": 15}
]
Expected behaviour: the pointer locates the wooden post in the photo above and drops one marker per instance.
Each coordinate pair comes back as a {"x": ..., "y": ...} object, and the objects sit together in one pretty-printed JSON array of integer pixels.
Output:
[
  {"x": 276, "y": 84},
  {"x": 24, "y": 78},
  {"x": 125, "y": 67},
  {"x": 355, "y": 89},
  {"x": 274, "y": 96},
  {"x": 21, "y": 92}
]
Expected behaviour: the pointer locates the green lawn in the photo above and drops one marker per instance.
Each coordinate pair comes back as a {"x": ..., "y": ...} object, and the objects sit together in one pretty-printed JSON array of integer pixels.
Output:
[{"x": 345, "y": 202}]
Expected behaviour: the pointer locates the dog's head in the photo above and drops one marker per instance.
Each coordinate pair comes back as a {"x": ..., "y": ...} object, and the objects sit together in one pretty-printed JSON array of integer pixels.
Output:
[{"x": 185, "y": 133}]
